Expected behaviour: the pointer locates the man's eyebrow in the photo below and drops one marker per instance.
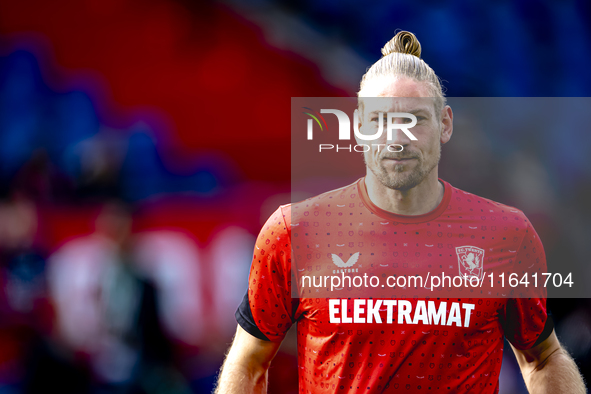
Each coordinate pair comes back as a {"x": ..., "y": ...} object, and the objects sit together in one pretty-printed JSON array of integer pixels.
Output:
[{"x": 420, "y": 111}]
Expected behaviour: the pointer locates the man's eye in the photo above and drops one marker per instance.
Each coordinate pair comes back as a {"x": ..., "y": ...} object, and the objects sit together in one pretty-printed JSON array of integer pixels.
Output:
[
  {"x": 374, "y": 119},
  {"x": 419, "y": 119}
]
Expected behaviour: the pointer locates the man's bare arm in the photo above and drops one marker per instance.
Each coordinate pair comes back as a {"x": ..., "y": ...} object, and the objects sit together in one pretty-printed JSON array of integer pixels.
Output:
[
  {"x": 245, "y": 368},
  {"x": 548, "y": 368}
]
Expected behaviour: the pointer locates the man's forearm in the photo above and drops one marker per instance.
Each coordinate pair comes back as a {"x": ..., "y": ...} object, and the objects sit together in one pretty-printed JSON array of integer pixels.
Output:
[
  {"x": 246, "y": 365},
  {"x": 238, "y": 379},
  {"x": 558, "y": 373}
]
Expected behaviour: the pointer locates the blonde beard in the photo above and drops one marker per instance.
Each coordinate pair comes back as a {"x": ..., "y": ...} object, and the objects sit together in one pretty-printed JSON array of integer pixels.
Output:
[{"x": 400, "y": 180}]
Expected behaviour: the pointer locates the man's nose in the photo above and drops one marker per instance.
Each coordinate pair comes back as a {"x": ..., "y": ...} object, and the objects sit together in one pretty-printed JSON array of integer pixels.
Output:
[{"x": 396, "y": 134}]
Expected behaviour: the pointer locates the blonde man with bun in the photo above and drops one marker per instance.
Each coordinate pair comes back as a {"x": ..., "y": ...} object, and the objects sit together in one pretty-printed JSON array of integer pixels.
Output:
[{"x": 401, "y": 195}]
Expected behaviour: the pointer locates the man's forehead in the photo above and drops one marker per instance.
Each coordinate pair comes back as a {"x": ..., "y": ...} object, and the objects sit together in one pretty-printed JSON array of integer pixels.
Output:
[
  {"x": 395, "y": 87},
  {"x": 390, "y": 94},
  {"x": 397, "y": 104}
]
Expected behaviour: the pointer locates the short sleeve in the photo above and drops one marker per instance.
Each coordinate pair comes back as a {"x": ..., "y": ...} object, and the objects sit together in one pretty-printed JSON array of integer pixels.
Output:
[
  {"x": 267, "y": 309},
  {"x": 525, "y": 321}
]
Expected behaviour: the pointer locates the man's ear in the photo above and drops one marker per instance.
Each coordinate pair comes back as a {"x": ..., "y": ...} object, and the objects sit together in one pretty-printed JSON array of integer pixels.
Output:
[{"x": 447, "y": 126}]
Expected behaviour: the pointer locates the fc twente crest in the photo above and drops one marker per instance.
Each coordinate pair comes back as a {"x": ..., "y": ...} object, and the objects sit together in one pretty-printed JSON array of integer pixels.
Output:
[{"x": 470, "y": 261}]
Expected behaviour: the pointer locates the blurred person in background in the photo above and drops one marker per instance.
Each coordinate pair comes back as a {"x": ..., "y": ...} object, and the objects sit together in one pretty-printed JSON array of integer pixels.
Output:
[
  {"x": 107, "y": 310},
  {"x": 25, "y": 313}
]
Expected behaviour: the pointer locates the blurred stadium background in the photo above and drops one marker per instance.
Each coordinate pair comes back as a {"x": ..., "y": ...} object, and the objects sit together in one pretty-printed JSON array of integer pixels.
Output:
[{"x": 133, "y": 183}]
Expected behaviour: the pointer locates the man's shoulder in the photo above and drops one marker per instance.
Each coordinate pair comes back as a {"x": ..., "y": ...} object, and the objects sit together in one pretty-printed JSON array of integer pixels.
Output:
[
  {"x": 482, "y": 208},
  {"x": 289, "y": 215},
  {"x": 321, "y": 202}
]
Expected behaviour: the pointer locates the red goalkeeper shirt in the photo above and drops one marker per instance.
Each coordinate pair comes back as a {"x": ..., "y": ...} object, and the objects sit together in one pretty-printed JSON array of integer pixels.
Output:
[{"x": 356, "y": 345}]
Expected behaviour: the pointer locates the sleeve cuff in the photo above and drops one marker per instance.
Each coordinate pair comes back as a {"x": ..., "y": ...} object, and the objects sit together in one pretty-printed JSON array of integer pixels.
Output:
[
  {"x": 246, "y": 321},
  {"x": 548, "y": 328}
]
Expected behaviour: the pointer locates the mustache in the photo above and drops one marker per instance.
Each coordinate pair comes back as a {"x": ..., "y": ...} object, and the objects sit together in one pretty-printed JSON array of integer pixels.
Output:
[{"x": 399, "y": 155}]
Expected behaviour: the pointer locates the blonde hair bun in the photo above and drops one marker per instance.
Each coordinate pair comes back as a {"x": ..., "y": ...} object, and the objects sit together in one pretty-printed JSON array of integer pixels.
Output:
[
  {"x": 403, "y": 42},
  {"x": 402, "y": 58}
]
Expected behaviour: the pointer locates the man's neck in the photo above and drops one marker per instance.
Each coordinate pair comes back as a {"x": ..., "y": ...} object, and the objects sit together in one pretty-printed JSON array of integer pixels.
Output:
[{"x": 419, "y": 200}]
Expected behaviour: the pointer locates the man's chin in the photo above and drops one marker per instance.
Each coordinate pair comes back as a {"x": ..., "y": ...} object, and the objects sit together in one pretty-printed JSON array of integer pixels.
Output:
[
  {"x": 397, "y": 165},
  {"x": 401, "y": 182}
]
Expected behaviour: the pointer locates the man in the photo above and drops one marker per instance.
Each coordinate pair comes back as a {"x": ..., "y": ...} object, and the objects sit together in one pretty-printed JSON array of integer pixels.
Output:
[{"x": 401, "y": 205}]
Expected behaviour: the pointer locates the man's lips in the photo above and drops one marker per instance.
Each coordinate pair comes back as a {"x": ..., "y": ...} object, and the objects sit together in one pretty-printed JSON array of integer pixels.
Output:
[{"x": 398, "y": 159}]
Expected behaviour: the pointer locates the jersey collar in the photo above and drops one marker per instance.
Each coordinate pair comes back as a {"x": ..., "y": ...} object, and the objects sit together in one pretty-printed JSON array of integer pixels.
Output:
[{"x": 426, "y": 217}]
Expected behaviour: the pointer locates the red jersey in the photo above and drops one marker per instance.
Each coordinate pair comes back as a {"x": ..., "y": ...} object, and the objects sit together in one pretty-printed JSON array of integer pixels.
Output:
[{"x": 374, "y": 345}]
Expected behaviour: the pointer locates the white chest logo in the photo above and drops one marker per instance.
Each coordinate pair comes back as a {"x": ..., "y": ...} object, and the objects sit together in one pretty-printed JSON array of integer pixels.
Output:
[
  {"x": 470, "y": 261},
  {"x": 341, "y": 264}
]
